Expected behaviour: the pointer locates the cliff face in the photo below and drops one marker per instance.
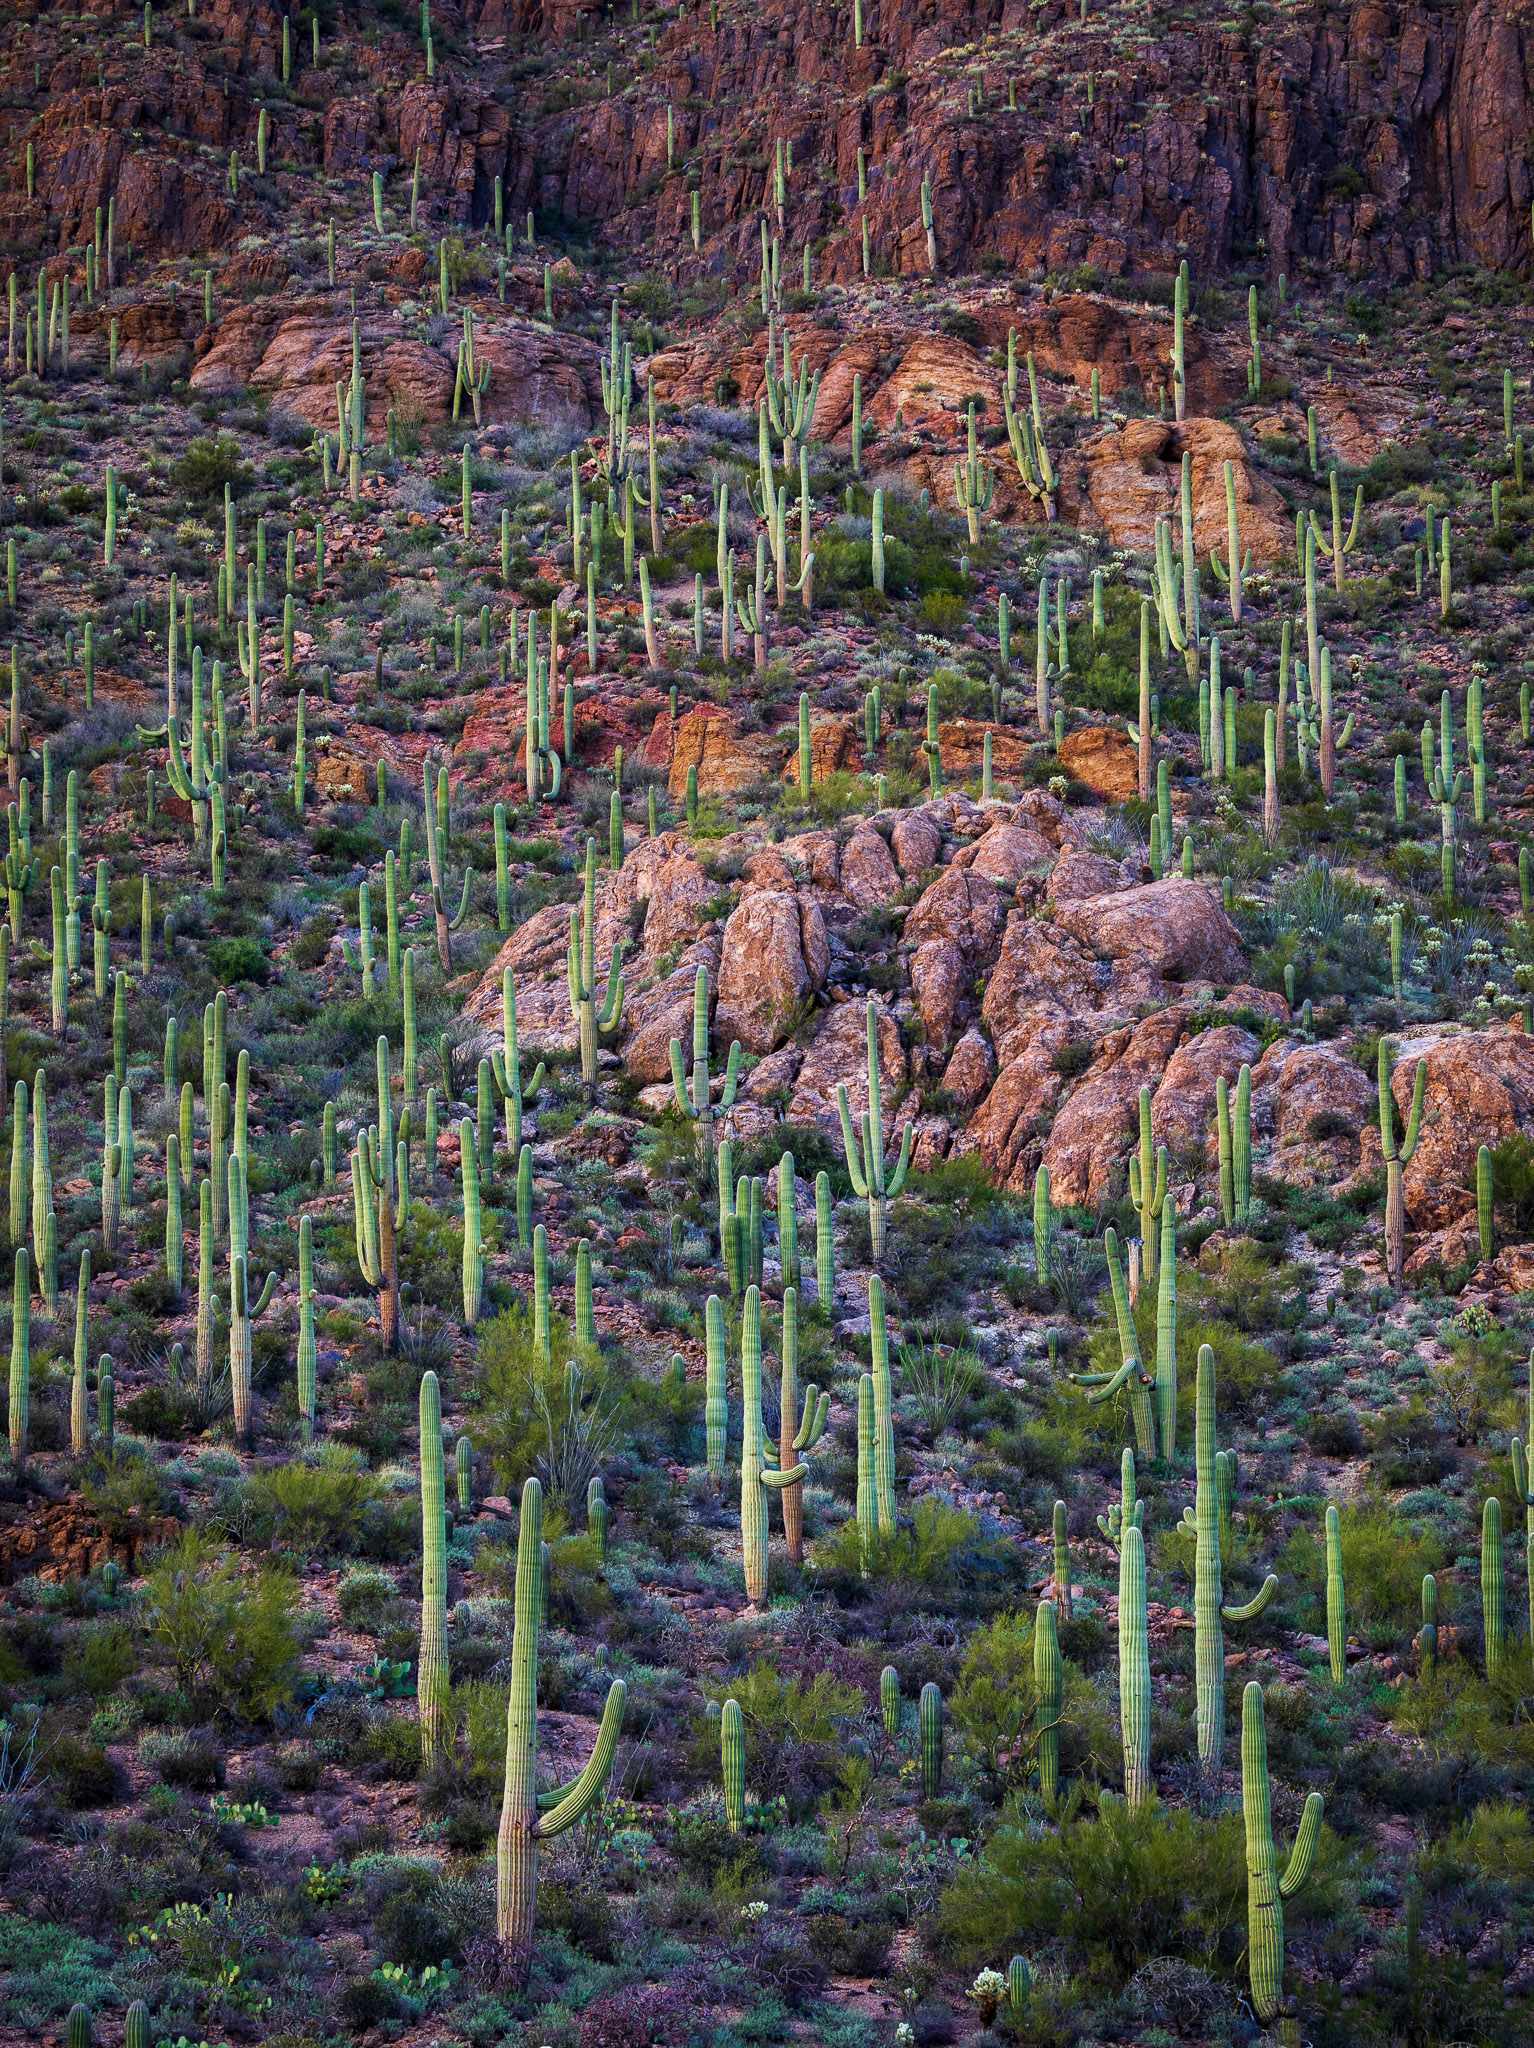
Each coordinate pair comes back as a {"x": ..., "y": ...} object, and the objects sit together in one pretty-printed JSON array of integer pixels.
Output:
[{"x": 1385, "y": 141}]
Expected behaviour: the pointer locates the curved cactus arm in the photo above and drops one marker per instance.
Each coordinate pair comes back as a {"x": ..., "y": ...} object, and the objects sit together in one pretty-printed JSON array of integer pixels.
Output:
[
  {"x": 1521, "y": 1473},
  {"x": 556, "y": 775},
  {"x": 807, "y": 569},
  {"x": 612, "y": 1008},
  {"x": 463, "y": 902},
  {"x": 1129, "y": 1341},
  {"x": 263, "y": 1300},
  {"x": 850, "y": 1144},
  {"x": 684, "y": 1107},
  {"x": 896, "y": 1181},
  {"x": 731, "y": 1075},
  {"x": 1297, "y": 1874},
  {"x": 176, "y": 768},
  {"x": 1258, "y": 1604},
  {"x": 817, "y": 1407},
  {"x": 1414, "y": 1121},
  {"x": 790, "y": 1477},
  {"x": 1109, "y": 1387},
  {"x": 591, "y": 1780}
]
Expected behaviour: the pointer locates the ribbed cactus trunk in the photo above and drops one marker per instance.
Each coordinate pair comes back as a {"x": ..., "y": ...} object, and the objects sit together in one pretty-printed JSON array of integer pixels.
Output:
[
  {"x": 930, "y": 1718},
  {"x": 1265, "y": 1889},
  {"x": 788, "y": 1409},
  {"x": 1166, "y": 1336},
  {"x": 715, "y": 1399},
  {"x": 21, "y": 1357},
  {"x": 1208, "y": 1636},
  {"x": 1062, "y": 1565},
  {"x": 884, "y": 1422},
  {"x": 825, "y": 1244},
  {"x": 732, "y": 1764},
  {"x": 889, "y": 1699},
  {"x": 1336, "y": 1600},
  {"x": 1049, "y": 1681},
  {"x": 1493, "y": 1599},
  {"x": 1134, "y": 1668},
  {"x": 307, "y": 1351},
  {"x": 867, "y": 1496},
  {"x": 432, "y": 1667},
  {"x": 753, "y": 1496}
]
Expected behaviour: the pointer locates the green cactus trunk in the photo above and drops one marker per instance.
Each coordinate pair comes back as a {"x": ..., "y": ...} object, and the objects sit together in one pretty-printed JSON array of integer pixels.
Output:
[
  {"x": 930, "y": 1717},
  {"x": 585, "y": 1309},
  {"x": 597, "y": 1516},
  {"x": 1166, "y": 1337},
  {"x": 867, "y": 1494},
  {"x": 1483, "y": 1202},
  {"x": 1265, "y": 1889},
  {"x": 21, "y": 1357},
  {"x": 1134, "y": 1668},
  {"x": 307, "y": 1350},
  {"x": 715, "y": 1398},
  {"x": 889, "y": 1699},
  {"x": 463, "y": 1465},
  {"x": 1062, "y": 1565},
  {"x": 1493, "y": 1605},
  {"x": 825, "y": 1244},
  {"x": 732, "y": 1764},
  {"x": 523, "y": 1825},
  {"x": 1336, "y": 1601},
  {"x": 788, "y": 1409},
  {"x": 432, "y": 1681},
  {"x": 884, "y": 1423},
  {"x": 1049, "y": 1680},
  {"x": 1427, "y": 1642},
  {"x": 473, "y": 1247}
]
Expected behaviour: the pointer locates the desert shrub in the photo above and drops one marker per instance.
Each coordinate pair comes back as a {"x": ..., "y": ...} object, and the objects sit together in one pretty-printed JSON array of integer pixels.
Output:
[
  {"x": 45, "y": 1969},
  {"x": 994, "y": 1705},
  {"x": 209, "y": 463},
  {"x": 939, "y": 1549},
  {"x": 189, "y": 1759},
  {"x": 104, "y": 1657},
  {"x": 1113, "y": 1890},
  {"x": 363, "y": 1598},
  {"x": 230, "y": 1640},
  {"x": 794, "y": 1728},
  {"x": 80, "y": 1774},
  {"x": 317, "y": 1507},
  {"x": 1383, "y": 1562}
]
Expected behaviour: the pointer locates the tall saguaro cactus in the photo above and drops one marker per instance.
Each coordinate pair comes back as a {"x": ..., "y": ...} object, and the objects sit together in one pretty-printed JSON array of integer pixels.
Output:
[
  {"x": 756, "y": 1475},
  {"x": 1265, "y": 1889},
  {"x": 526, "y": 1817},
  {"x": 865, "y": 1151},
  {"x": 1048, "y": 1677},
  {"x": 581, "y": 962},
  {"x": 1396, "y": 1160},
  {"x": 1134, "y": 1667},
  {"x": 1131, "y": 1374},
  {"x": 699, "y": 1106},
  {"x": 432, "y": 1667},
  {"x": 1147, "y": 1186},
  {"x": 1208, "y": 1589}
]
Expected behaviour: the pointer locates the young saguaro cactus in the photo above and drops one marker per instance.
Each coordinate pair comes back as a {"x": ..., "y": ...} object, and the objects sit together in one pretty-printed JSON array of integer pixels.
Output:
[
  {"x": 930, "y": 1721},
  {"x": 715, "y": 1398},
  {"x": 1336, "y": 1600},
  {"x": 1131, "y": 1373},
  {"x": 756, "y": 1475},
  {"x": 884, "y": 1419},
  {"x": 1049, "y": 1680},
  {"x": 1204, "y": 1520},
  {"x": 307, "y": 1352},
  {"x": 1134, "y": 1668},
  {"x": 865, "y": 1151},
  {"x": 432, "y": 1682},
  {"x": 732, "y": 1764},
  {"x": 505, "y": 1066},
  {"x": 867, "y": 1508},
  {"x": 698, "y": 1106},
  {"x": 1147, "y": 1186},
  {"x": 792, "y": 1496},
  {"x": 1521, "y": 1453},
  {"x": 21, "y": 1357},
  {"x": 526, "y": 1817},
  {"x": 581, "y": 962},
  {"x": 1493, "y": 1594},
  {"x": 1397, "y": 1158},
  {"x": 889, "y": 1699},
  {"x": 1265, "y": 1889}
]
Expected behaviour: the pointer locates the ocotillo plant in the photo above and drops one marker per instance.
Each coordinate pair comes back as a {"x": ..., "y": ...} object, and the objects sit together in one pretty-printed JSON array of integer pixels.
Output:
[
  {"x": 526, "y": 1817},
  {"x": 432, "y": 1680},
  {"x": 1204, "y": 1520},
  {"x": 1397, "y": 1158},
  {"x": 698, "y": 1106},
  {"x": 1265, "y": 1889},
  {"x": 581, "y": 963},
  {"x": 755, "y": 1474},
  {"x": 865, "y": 1152}
]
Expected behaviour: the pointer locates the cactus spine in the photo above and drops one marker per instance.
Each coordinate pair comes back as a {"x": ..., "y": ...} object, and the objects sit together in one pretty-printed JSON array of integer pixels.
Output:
[
  {"x": 432, "y": 1669},
  {"x": 865, "y": 1152},
  {"x": 525, "y": 1820},
  {"x": 1265, "y": 1889}
]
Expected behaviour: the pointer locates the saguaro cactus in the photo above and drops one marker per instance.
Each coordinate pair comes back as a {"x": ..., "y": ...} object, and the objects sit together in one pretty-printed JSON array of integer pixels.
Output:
[
  {"x": 1134, "y": 1667},
  {"x": 930, "y": 1715},
  {"x": 732, "y": 1764},
  {"x": 1493, "y": 1597},
  {"x": 463, "y": 1466},
  {"x": 1265, "y": 1889},
  {"x": 598, "y": 1516},
  {"x": 825, "y": 1244},
  {"x": 432, "y": 1685},
  {"x": 715, "y": 1399},
  {"x": 506, "y": 1067},
  {"x": 307, "y": 1350},
  {"x": 526, "y": 1817},
  {"x": 756, "y": 1475},
  {"x": 788, "y": 1408},
  {"x": 865, "y": 1152},
  {"x": 1048, "y": 1677},
  {"x": 582, "y": 966},
  {"x": 1396, "y": 1160},
  {"x": 1336, "y": 1600},
  {"x": 21, "y": 1357},
  {"x": 699, "y": 1105},
  {"x": 884, "y": 1420},
  {"x": 1131, "y": 1373},
  {"x": 1204, "y": 1520},
  {"x": 889, "y": 1699}
]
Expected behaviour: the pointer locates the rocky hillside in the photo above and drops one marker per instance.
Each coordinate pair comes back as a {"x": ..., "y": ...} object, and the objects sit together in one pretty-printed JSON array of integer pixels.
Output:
[{"x": 766, "y": 1026}]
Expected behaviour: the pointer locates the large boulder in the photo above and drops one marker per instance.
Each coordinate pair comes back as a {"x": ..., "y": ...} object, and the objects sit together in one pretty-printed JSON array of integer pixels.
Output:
[
  {"x": 1092, "y": 1134},
  {"x": 867, "y": 874},
  {"x": 1479, "y": 1090},
  {"x": 1183, "y": 1105},
  {"x": 1175, "y": 929},
  {"x": 774, "y": 962},
  {"x": 726, "y": 760},
  {"x": 1101, "y": 757},
  {"x": 839, "y": 1053}
]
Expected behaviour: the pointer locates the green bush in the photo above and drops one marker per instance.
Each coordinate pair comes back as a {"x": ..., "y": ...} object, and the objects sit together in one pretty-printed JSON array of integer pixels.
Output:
[
  {"x": 994, "y": 1706},
  {"x": 794, "y": 1729},
  {"x": 1383, "y": 1563},
  {"x": 317, "y": 1507},
  {"x": 230, "y": 1640},
  {"x": 235, "y": 960},
  {"x": 79, "y": 1773},
  {"x": 209, "y": 463},
  {"x": 363, "y": 1599}
]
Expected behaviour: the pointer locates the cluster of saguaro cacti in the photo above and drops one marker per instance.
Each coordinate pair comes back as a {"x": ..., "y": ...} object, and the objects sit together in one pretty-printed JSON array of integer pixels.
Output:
[{"x": 1234, "y": 1139}]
